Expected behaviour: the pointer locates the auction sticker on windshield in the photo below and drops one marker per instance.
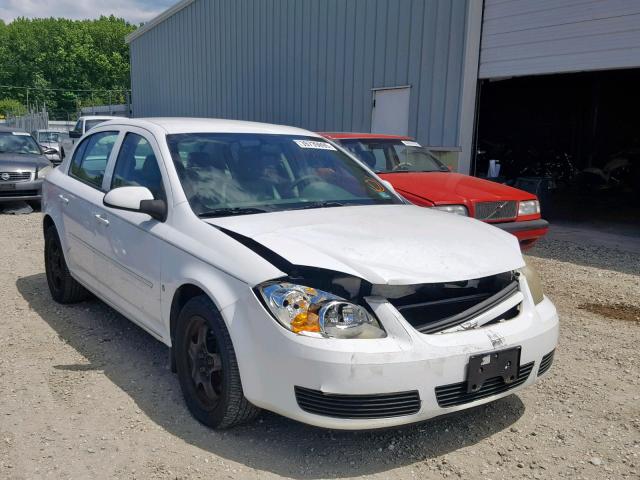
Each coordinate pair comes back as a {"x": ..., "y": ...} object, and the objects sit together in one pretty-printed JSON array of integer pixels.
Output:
[
  {"x": 316, "y": 145},
  {"x": 409, "y": 143},
  {"x": 21, "y": 134}
]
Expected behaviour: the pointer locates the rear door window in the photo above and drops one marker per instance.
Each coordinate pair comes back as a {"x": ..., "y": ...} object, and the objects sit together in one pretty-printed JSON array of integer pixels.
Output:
[{"x": 90, "y": 159}]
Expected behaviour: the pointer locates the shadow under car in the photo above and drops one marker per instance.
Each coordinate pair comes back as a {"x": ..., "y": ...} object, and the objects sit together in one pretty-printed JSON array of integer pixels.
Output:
[{"x": 138, "y": 364}]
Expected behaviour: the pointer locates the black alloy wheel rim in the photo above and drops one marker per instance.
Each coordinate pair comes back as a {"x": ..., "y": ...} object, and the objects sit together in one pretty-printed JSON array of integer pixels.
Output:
[
  {"x": 204, "y": 362},
  {"x": 56, "y": 266}
]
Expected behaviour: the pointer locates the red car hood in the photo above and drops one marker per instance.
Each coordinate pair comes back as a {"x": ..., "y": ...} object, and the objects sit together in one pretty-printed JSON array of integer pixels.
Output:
[{"x": 449, "y": 187}]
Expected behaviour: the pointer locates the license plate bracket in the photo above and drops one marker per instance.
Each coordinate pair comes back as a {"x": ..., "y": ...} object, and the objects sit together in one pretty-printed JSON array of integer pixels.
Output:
[
  {"x": 7, "y": 186},
  {"x": 502, "y": 363}
]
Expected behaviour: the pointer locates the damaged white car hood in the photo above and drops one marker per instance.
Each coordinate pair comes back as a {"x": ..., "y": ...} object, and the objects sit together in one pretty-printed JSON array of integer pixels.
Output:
[{"x": 383, "y": 244}]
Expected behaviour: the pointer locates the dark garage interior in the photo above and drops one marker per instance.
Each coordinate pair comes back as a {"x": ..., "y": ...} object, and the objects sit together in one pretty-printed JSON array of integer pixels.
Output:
[{"x": 572, "y": 138}]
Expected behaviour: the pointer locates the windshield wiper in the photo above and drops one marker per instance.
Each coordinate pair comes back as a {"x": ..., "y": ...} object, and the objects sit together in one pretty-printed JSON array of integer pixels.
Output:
[
  {"x": 327, "y": 204},
  {"x": 231, "y": 211}
]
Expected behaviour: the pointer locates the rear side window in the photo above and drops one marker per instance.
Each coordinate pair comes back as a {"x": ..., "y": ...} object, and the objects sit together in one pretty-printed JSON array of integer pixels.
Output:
[
  {"x": 137, "y": 166},
  {"x": 90, "y": 158}
]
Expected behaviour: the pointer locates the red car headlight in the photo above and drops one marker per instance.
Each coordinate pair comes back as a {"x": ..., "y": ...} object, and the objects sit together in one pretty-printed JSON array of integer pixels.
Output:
[{"x": 529, "y": 207}]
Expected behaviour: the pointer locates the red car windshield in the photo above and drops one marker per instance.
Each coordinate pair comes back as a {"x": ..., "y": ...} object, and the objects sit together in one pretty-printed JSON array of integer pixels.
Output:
[{"x": 393, "y": 155}]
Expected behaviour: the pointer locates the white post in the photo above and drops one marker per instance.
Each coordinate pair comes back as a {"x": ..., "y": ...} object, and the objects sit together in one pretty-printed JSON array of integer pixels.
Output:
[{"x": 470, "y": 84}]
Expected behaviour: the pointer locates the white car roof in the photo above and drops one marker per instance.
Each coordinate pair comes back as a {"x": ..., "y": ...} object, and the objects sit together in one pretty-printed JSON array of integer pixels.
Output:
[
  {"x": 209, "y": 125},
  {"x": 99, "y": 117}
]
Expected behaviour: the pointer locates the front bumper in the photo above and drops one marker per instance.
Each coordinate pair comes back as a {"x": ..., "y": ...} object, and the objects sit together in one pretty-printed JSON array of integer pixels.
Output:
[
  {"x": 29, "y": 190},
  {"x": 527, "y": 232},
  {"x": 274, "y": 361}
]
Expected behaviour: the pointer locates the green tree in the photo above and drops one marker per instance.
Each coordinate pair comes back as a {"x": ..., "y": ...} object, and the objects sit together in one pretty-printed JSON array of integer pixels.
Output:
[
  {"x": 10, "y": 106},
  {"x": 65, "y": 63}
]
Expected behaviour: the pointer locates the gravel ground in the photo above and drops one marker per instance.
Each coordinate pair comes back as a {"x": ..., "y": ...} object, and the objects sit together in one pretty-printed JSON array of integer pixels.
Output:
[{"x": 86, "y": 394}]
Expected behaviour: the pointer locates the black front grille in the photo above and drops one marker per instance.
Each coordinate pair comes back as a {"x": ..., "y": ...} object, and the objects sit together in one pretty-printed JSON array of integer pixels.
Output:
[
  {"x": 19, "y": 193},
  {"x": 489, "y": 211},
  {"x": 15, "y": 176},
  {"x": 546, "y": 362},
  {"x": 456, "y": 393},
  {"x": 381, "y": 405},
  {"x": 432, "y": 308}
]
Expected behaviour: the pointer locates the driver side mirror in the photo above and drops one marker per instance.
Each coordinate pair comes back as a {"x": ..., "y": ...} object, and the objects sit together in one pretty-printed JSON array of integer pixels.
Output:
[
  {"x": 75, "y": 133},
  {"x": 136, "y": 199}
]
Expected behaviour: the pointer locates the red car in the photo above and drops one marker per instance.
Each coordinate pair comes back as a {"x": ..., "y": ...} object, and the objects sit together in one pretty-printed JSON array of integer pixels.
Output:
[{"x": 423, "y": 180}]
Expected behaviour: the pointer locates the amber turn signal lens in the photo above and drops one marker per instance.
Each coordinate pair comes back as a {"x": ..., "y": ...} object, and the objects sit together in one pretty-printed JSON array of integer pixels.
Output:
[{"x": 305, "y": 322}]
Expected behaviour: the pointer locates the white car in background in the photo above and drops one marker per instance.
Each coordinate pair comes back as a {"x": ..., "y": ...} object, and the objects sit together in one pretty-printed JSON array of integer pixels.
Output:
[
  {"x": 87, "y": 122},
  {"x": 285, "y": 275},
  {"x": 52, "y": 141},
  {"x": 82, "y": 126}
]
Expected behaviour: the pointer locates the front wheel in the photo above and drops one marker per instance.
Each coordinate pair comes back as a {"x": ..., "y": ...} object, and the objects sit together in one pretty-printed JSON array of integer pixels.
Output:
[{"x": 207, "y": 367}]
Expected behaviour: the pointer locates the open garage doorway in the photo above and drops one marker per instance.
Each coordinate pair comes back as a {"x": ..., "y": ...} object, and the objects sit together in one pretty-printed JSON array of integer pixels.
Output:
[{"x": 573, "y": 138}]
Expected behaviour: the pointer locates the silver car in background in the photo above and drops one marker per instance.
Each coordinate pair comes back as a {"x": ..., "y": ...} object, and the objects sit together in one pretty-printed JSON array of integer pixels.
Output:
[
  {"x": 23, "y": 166},
  {"x": 51, "y": 142}
]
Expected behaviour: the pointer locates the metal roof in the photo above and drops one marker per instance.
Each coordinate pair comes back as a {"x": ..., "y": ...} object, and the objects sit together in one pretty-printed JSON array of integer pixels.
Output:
[{"x": 157, "y": 20}]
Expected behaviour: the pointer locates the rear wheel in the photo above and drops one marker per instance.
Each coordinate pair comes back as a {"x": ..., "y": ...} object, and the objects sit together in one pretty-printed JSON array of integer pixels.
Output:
[
  {"x": 63, "y": 287},
  {"x": 207, "y": 367}
]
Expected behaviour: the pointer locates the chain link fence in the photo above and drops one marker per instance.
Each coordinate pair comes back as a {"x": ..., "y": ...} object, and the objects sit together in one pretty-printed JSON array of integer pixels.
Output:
[{"x": 31, "y": 121}]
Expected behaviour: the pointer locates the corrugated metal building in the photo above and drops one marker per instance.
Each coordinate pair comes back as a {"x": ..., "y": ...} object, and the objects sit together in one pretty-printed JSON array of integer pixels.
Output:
[
  {"x": 309, "y": 63},
  {"x": 390, "y": 66}
]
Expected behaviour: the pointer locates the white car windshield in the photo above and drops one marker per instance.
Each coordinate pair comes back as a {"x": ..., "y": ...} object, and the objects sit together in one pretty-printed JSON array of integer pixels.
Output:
[
  {"x": 394, "y": 155},
  {"x": 50, "y": 137},
  {"x": 226, "y": 174},
  {"x": 18, "y": 142},
  {"x": 89, "y": 124}
]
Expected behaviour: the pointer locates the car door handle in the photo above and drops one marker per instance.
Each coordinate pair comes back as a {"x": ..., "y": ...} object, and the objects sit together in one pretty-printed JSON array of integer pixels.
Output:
[
  {"x": 101, "y": 219},
  {"x": 64, "y": 199}
]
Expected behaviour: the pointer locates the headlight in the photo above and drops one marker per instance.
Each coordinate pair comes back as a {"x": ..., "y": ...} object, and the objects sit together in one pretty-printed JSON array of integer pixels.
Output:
[
  {"x": 308, "y": 311},
  {"x": 455, "y": 209},
  {"x": 43, "y": 172},
  {"x": 533, "y": 280},
  {"x": 529, "y": 207}
]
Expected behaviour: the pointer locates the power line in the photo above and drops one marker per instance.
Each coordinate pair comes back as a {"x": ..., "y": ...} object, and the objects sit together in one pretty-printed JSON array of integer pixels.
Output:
[{"x": 69, "y": 89}]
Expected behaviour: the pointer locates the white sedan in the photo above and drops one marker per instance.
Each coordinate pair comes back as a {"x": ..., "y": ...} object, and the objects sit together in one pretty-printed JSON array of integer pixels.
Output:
[{"x": 286, "y": 275}]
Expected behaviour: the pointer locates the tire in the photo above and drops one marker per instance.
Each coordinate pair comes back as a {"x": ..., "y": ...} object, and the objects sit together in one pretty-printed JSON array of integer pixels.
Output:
[
  {"x": 63, "y": 287},
  {"x": 207, "y": 367}
]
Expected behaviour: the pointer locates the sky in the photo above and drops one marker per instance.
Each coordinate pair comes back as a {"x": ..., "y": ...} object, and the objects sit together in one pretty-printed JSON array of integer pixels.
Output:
[{"x": 134, "y": 11}]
